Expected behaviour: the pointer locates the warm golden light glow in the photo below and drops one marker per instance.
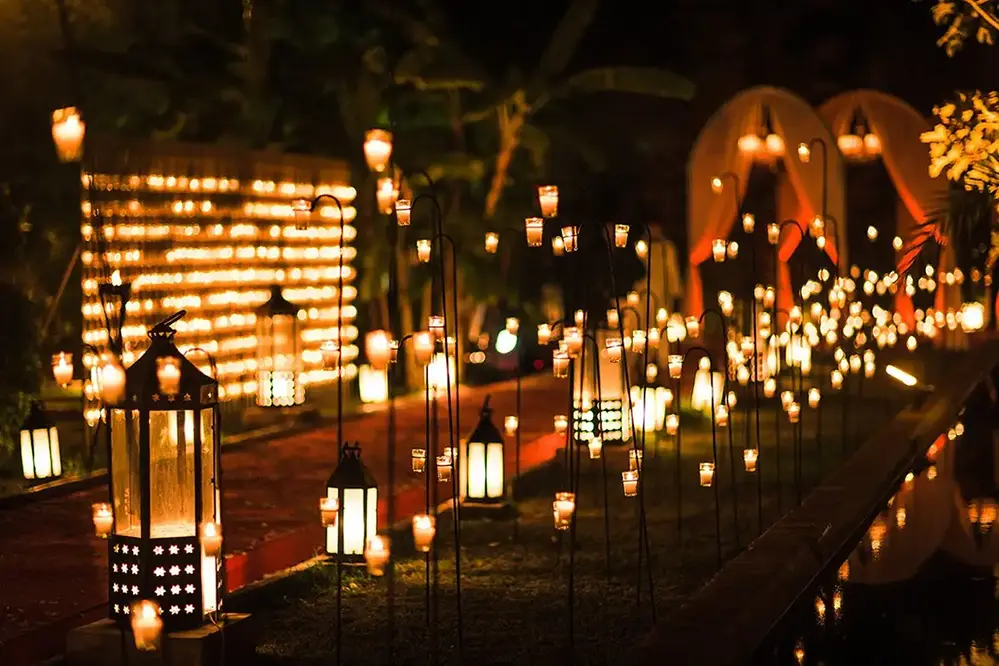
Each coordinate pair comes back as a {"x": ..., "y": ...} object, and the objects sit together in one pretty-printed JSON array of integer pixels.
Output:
[
  {"x": 147, "y": 626},
  {"x": 900, "y": 375},
  {"x": 103, "y": 519},
  {"x": 62, "y": 368},
  {"x": 548, "y": 200},
  {"x": 492, "y": 242},
  {"x": 621, "y": 235},
  {"x": 629, "y": 480},
  {"x": 534, "y": 228},
  {"x": 377, "y": 149},
  {"x": 376, "y": 554},
  {"x": 748, "y": 223},
  {"x": 563, "y": 508},
  {"x": 804, "y": 153},
  {"x": 972, "y": 316},
  {"x": 68, "y": 130},
  {"x": 403, "y": 212},
  {"x": 749, "y": 458},
  {"x": 706, "y": 474}
]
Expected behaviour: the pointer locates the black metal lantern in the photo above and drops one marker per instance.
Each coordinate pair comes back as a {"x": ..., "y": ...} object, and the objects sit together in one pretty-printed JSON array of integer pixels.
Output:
[
  {"x": 482, "y": 473},
  {"x": 40, "y": 454},
  {"x": 165, "y": 488},
  {"x": 356, "y": 492},
  {"x": 279, "y": 359}
]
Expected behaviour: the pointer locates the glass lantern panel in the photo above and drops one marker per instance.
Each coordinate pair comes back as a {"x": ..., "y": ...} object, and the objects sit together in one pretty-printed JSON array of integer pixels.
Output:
[
  {"x": 372, "y": 517},
  {"x": 27, "y": 455},
  {"x": 125, "y": 472},
  {"x": 40, "y": 445},
  {"x": 494, "y": 469},
  {"x": 209, "y": 492},
  {"x": 55, "y": 453},
  {"x": 353, "y": 521},
  {"x": 476, "y": 467},
  {"x": 171, "y": 474},
  {"x": 278, "y": 366}
]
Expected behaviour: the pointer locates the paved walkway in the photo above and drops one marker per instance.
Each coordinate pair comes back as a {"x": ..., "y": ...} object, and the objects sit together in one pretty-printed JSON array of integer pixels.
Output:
[{"x": 53, "y": 570}]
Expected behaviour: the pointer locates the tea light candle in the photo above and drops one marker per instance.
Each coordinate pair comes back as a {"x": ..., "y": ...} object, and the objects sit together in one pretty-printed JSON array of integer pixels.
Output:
[
  {"x": 693, "y": 326},
  {"x": 563, "y": 508},
  {"x": 629, "y": 480},
  {"x": 443, "y": 468},
  {"x": 749, "y": 457},
  {"x": 403, "y": 212},
  {"x": 855, "y": 363},
  {"x": 672, "y": 424},
  {"x": 211, "y": 539},
  {"x": 614, "y": 349},
  {"x": 492, "y": 242},
  {"x": 436, "y": 325},
  {"x": 635, "y": 460},
  {"x": 561, "y": 424},
  {"x": 147, "y": 627},
  {"x": 423, "y": 347},
  {"x": 103, "y": 519},
  {"x": 579, "y": 317},
  {"x": 112, "y": 383},
  {"x": 651, "y": 372},
  {"x": 510, "y": 424},
  {"x": 793, "y": 412},
  {"x": 329, "y": 508},
  {"x": 732, "y": 250},
  {"x": 613, "y": 319},
  {"x": 706, "y": 472},
  {"x": 773, "y": 233},
  {"x": 377, "y": 149},
  {"x": 748, "y": 223},
  {"x": 544, "y": 334},
  {"x": 653, "y": 338},
  {"x": 376, "y": 554},
  {"x": 632, "y": 298},
  {"x": 732, "y": 399},
  {"x": 573, "y": 340},
  {"x": 424, "y": 530},
  {"x": 534, "y": 229},
  {"x": 548, "y": 200},
  {"x": 62, "y": 368},
  {"x": 168, "y": 375},
  {"x": 769, "y": 387},
  {"x": 869, "y": 370},
  {"x": 786, "y": 398},
  {"x": 641, "y": 249},
  {"x": 569, "y": 238},
  {"x": 558, "y": 246},
  {"x": 596, "y": 447},
  {"x": 377, "y": 347},
  {"x": 330, "y": 352},
  {"x": 513, "y": 325},
  {"x": 419, "y": 460}
]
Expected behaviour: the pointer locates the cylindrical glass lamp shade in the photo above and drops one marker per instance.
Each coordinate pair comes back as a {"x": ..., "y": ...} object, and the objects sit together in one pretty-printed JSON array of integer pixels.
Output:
[
  {"x": 166, "y": 539},
  {"x": 548, "y": 200},
  {"x": 41, "y": 457},
  {"x": 356, "y": 491},
  {"x": 481, "y": 474},
  {"x": 279, "y": 360}
]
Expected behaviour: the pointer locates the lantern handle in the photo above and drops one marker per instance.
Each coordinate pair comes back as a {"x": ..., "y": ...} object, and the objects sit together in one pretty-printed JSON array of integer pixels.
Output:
[
  {"x": 486, "y": 409},
  {"x": 165, "y": 326}
]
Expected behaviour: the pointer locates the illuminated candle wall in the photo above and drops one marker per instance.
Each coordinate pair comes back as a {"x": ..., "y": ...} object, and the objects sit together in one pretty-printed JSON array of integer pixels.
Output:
[{"x": 210, "y": 232}]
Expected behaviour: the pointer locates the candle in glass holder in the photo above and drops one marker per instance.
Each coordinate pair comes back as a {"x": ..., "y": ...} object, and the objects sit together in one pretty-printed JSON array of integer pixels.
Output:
[
  {"x": 635, "y": 460},
  {"x": 632, "y": 298},
  {"x": 629, "y": 480},
  {"x": 651, "y": 372},
  {"x": 424, "y": 530},
  {"x": 403, "y": 212},
  {"x": 569, "y": 234},
  {"x": 614, "y": 349},
  {"x": 443, "y": 468},
  {"x": 377, "y": 347},
  {"x": 641, "y": 249},
  {"x": 693, "y": 326},
  {"x": 793, "y": 412},
  {"x": 492, "y": 242},
  {"x": 112, "y": 383},
  {"x": 376, "y": 554},
  {"x": 534, "y": 229},
  {"x": 749, "y": 457},
  {"x": 377, "y": 149},
  {"x": 613, "y": 319},
  {"x": 548, "y": 200},
  {"x": 672, "y": 424},
  {"x": 103, "y": 519},
  {"x": 168, "y": 375},
  {"x": 652, "y": 338},
  {"x": 211, "y": 539},
  {"x": 513, "y": 325},
  {"x": 561, "y": 424},
  {"x": 560, "y": 363},
  {"x": 558, "y": 246},
  {"x": 814, "y": 396},
  {"x": 675, "y": 364},
  {"x": 147, "y": 626},
  {"x": 423, "y": 347},
  {"x": 435, "y": 323},
  {"x": 706, "y": 473},
  {"x": 423, "y": 250},
  {"x": 718, "y": 250},
  {"x": 721, "y": 416},
  {"x": 330, "y": 352},
  {"x": 595, "y": 447},
  {"x": 563, "y": 507},
  {"x": 732, "y": 250},
  {"x": 869, "y": 369},
  {"x": 748, "y": 223},
  {"x": 836, "y": 379},
  {"x": 855, "y": 363},
  {"x": 786, "y": 398},
  {"x": 329, "y": 508},
  {"x": 769, "y": 387},
  {"x": 510, "y": 424},
  {"x": 621, "y": 235},
  {"x": 419, "y": 459},
  {"x": 773, "y": 233},
  {"x": 573, "y": 340},
  {"x": 544, "y": 334},
  {"x": 62, "y": 368}
]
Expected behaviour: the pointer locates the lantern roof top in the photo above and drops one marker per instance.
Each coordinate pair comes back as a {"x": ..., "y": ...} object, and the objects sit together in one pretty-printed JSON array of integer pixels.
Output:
[
  {"x": 277, "y": 304},
  {"x": 350, "y": 472},
  {"x": 37, "y": 419},
  {"x": 142, "y": 386},
  {"x": 486, "y": 431}
]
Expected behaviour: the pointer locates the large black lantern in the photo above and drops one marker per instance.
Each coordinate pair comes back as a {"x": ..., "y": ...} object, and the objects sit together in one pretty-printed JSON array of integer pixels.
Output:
[
  {"x": 279, "y": 359},
  {"x": 165, "y": 544},
  {"x": 356, "y": 492},
  {"x": 482, "y": 474}
]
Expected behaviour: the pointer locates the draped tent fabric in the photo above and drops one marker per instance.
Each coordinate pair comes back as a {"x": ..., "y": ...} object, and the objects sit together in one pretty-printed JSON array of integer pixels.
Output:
[
  {"x": 905, "y": 157},
  {"x": 716, "y": 151}
]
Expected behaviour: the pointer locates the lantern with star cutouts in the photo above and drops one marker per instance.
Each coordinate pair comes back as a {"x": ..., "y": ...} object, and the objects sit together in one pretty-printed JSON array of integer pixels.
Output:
[{"x": 166, "y": 538}]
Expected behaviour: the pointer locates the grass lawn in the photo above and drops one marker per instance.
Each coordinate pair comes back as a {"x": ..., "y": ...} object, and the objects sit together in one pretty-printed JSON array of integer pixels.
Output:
[{"x": 515, "y": 593}]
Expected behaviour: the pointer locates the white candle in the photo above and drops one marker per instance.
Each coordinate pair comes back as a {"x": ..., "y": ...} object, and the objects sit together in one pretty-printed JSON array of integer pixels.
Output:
[
  {"x": 211, "y": 539},
  {"x": 103, "y": 519},
  {"x": 329, "y": 507},
  {"x": 548, "y": 200},
  {"x": 706, "y": 473},
  {"x": 749, "y": 457},
  {"x": 376, "y": 554}
]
